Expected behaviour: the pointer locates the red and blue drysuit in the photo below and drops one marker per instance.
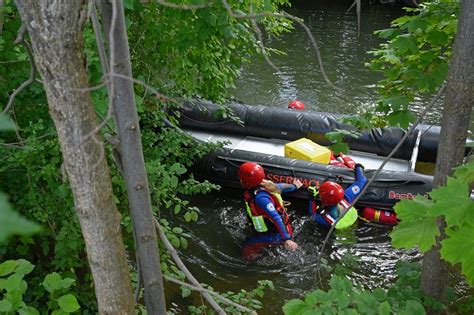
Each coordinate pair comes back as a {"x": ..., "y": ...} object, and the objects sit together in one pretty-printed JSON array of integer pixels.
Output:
[
  {"x": 327, "y": 215},
  {"x": 264, "y": 203}
]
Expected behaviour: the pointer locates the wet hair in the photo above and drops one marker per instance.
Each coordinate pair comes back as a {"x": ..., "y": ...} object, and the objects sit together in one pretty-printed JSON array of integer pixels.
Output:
[{"x": 270, "y": 186}]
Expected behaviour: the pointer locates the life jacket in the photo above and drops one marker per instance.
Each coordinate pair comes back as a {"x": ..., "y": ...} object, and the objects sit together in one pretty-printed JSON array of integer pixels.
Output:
[
  {"x": 379, "y": 216},
  {"x": 258, "y": 215},
  {"x": 343, "y": 206}
]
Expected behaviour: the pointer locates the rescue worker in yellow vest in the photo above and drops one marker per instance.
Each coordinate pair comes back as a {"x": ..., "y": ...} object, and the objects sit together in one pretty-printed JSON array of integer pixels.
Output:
[
  {"x": 266, "y": 211},
  {"x": 330, "y": 200}
]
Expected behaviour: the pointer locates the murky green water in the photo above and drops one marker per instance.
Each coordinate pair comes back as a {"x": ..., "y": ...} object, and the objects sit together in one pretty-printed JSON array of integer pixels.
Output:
[
  {"x": 214, "y": 252},
  {"x": 344, "y": 55}
]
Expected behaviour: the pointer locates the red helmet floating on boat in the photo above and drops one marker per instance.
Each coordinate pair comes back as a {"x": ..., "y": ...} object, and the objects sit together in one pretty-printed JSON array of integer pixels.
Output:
[
  {"x": 331, "y": 193},
  {"x": 296, "y": 104},
  {"x": 251, "y": 174}
]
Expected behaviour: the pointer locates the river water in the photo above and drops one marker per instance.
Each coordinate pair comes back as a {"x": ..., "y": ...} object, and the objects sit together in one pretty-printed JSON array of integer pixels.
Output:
[{"x": 214, "y": 248}]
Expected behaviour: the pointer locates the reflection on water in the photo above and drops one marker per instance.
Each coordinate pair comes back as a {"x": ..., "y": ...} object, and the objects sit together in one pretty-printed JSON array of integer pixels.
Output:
[
  {"x": 214, "y": 255},
  {"x": 344, "y": 55}
]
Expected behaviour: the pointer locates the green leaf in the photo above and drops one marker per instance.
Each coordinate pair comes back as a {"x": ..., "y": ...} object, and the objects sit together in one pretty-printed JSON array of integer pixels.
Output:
[
  {"x": 52, "y": 282},
  {"x": 311, "y": 299},
  {"x": 177, "y": 230},
  {"x": 343, "y": 301},
  {"x": 128, "y": 4},
  {"x": 417, "y": 226},
  {"x": 348, "y": 311},
  {"x": 405, "y": 43},
  {"x": 339, "y": 147},
  {"x": 13, "y": 282},
  {"x": 6, "y": 124},
  {"x": 188, "y": 216},
  {"x": 380, "y": 294},
  {"x": 295, "y": 307},
  {"x": 436, "y": 37},
  {"x": 455, "y": 189},
  {"x": 28, "y": 310},
  {"x": 459, "y": 248},
  {"x": 440, "y": 72},
  {"x": 5, "y": 306},
  {"x": 175, "y": 241},
  {"x": 24, "y": 267},
  {"x": 414, "y": 307},
  {"x": 401, "y": 117},
  {"x": 384, "y": 308},
  {"x": 417, "y": 24},
  {"x": 397, "y": 102},
  {"x": 68, "y": 303},
  {"x": 12, "y": 223},
  {"x": 173, "y": 182},
  {"x": 388, "y": 33},
  {"x": 7, "y": 267},
  {"x": 66, "y": 283},
  {"x": 184, "y": 242}
]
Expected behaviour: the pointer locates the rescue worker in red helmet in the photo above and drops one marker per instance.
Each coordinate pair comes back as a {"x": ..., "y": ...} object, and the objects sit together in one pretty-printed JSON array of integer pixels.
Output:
[
  {"x": 269, "y": 220},
  {"x": 296, "y": 104},
  {"x": 330, "y": 200}
]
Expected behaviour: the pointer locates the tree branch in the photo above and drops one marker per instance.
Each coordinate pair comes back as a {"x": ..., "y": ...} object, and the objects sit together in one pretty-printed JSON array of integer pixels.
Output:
[
  {"x": 217, "y": 295},
  {"x": 288, "y": 16},
  {"x": 185, "y": 270},
  {"x": 21, "y": 40}
]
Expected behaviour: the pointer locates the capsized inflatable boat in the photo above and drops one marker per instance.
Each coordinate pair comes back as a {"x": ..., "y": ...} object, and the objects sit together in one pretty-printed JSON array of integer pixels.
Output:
[{"x": 263, "y": 136}]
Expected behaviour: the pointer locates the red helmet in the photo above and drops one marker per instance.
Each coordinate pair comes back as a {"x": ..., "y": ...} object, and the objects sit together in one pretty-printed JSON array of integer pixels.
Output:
[
  {"x": 296, "y": 104},
  {"x": 331, "y": 193},
  {"x": 251, "y": 174}
]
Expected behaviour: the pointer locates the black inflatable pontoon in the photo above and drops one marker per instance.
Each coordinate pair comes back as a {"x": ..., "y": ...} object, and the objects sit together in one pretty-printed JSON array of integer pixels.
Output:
[
  {"x": 282, "y": 123},
  {"x": 265, "y": 133}
]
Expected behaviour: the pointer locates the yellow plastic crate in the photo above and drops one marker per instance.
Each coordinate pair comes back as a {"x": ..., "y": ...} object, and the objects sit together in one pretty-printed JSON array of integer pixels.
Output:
[{"x": 305, "y": 149}]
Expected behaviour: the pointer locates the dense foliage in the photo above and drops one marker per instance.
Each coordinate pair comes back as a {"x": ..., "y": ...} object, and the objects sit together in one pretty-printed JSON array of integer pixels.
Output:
[
  {"x": 414, "y": 59},
  {"x": 418, "y": 221},
  {"x": 197, "y": 52},
  {"x": 179, "y": 52},
  {"x": 342, "y": 297}
]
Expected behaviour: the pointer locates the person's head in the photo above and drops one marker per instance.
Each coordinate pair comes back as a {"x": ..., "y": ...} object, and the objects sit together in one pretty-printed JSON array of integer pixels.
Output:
[
  {"x": 296, "y": 104},
  {"x": 330, "y": 193},
  {"x": 251, "y": 174}
]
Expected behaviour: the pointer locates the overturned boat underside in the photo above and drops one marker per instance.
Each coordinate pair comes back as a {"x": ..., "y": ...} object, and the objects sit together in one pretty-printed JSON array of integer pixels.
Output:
[
  {"x": 395, "y": 182},
  {"x": 262, "y": 133}
]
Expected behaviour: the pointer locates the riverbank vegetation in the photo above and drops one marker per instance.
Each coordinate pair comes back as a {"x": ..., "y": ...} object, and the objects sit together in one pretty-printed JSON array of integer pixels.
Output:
[{"x": 66, "y": 170}]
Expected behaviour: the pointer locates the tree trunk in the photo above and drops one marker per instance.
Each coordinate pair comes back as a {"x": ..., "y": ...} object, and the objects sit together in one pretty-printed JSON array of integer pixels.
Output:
[
  {"x": 456, "y": 116},
  {"x": 136, "y": 178},
  {"x": 55, "y": 29}
]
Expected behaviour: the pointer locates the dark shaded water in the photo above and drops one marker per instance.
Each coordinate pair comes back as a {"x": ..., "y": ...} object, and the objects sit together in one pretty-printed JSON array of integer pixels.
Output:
[
  {"x": 214, "y": 256},
  {"x": 214, "y": 252}
]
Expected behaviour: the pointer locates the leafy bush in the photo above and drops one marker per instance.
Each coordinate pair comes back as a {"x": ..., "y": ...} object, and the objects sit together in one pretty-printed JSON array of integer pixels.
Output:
[
  {"x": 13, "y": 287},
  {"x": 342, "y": 297},
  {"x": 418, "y": 221}
]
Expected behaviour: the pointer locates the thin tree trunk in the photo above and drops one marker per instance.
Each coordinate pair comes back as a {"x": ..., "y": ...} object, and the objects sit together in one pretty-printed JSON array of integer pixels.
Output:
[
  {"x": 136, "y": 178},
  {"x": 456, "y": 116},
  {"x": 55, "y": 29}
]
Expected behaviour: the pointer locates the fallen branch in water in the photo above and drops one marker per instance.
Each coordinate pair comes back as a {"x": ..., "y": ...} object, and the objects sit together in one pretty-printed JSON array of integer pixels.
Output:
[{"x": 195, "y": 284}]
